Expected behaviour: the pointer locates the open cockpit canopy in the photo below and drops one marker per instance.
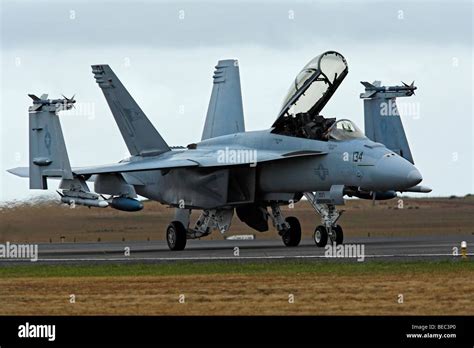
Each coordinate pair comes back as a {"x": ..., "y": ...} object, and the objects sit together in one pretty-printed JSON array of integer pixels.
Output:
[{"x": 310, "y": 91}]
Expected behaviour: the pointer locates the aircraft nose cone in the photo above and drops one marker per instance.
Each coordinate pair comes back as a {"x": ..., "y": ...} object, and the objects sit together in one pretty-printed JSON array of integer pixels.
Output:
[
  {"x": 414, "y": 177},
  {"x": 394, "y": 173}
]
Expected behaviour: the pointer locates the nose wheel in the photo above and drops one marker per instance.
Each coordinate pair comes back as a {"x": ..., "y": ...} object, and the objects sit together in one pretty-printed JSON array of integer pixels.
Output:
[{"x": 322, "y": 234}]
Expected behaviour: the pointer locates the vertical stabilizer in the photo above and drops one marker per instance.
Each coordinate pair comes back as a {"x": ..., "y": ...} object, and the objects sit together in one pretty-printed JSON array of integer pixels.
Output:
[
  {"x": 225, "y": 114},
  {"x": 138, "y": 132}
]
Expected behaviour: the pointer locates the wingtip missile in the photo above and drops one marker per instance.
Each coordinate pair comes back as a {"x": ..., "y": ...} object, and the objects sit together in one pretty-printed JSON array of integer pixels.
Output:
[
  {"x": 410, "y": 87},
  {"x": 371, "y": 89},
  {"x": 374, "y": 85},
  {"x": 64, "y": 104},
  {"x": 70, "y": 101},
  {"x": 367, "y": 84}
]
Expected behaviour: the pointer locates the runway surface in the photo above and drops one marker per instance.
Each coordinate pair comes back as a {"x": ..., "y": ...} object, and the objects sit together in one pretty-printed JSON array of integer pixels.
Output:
[{"x": 386, "y": 248}]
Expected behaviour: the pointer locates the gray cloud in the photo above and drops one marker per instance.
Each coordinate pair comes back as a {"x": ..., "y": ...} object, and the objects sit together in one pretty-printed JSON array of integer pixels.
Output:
[
  {"x": 103, "y": 23},
  {"x": 171, "y": 63}
]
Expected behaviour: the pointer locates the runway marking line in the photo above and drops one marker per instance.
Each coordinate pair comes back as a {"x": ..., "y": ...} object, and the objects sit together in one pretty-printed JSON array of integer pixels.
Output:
[{"x": 223, "y": 258}]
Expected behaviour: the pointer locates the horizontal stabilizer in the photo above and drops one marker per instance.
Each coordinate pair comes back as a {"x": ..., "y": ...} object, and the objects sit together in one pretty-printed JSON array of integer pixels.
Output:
[{"x": 22, "y": 172}]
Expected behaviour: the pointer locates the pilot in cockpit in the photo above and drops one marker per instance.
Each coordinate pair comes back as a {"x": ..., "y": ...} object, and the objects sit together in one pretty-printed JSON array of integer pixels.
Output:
[{"x": 316, "y": 127}]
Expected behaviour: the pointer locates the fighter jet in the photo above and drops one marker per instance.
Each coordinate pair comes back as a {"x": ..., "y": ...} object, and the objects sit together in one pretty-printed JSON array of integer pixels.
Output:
[{"x": 231, "y": 170}]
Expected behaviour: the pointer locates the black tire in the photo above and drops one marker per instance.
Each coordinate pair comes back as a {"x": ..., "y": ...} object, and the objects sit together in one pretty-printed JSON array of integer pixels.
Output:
[
  {"x": 320, "y": 236},
  {"x": 176, "y": 236},
  {"x": 292, "y": 237},
  {"x": 339, "y": 234}
]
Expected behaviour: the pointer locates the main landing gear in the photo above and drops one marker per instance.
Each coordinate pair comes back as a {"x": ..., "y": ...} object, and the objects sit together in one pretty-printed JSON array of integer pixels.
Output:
[
  {"x": 178, "y": 231},
  {"x": 176, "y": 235},
  {"x": 289, "y": 229},
  {"x": 329, "y": 230}
]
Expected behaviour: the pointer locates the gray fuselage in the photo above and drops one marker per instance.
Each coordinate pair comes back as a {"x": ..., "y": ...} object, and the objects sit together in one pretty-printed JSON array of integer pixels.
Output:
[{"x": 359, "y": 163}]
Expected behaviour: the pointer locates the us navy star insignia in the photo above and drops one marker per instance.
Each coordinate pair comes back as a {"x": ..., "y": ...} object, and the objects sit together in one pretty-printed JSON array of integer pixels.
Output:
[{"x": 321, "y": 172}]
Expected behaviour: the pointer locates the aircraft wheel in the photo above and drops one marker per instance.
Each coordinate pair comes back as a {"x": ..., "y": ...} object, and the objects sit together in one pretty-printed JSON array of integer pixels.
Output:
[
  {"x": 339, "y": 234},
  {"x": 176, "y": 236},
  {"x": 320, "y": 236},
  {"x": 292, "y": 237}
]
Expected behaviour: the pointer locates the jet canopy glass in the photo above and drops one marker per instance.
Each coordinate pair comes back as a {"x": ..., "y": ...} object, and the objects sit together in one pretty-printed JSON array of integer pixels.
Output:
[
  {"x": 345, "y": 130},
  {"x": 313, "y": 86}
]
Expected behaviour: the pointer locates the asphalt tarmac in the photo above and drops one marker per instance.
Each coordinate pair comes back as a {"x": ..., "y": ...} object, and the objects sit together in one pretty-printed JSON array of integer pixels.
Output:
[{"x": 380, "y": 248}]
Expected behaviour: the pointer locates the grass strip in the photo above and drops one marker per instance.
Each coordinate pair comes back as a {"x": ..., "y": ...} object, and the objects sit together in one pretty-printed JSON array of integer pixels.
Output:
[{"x": 250, "y": 268}]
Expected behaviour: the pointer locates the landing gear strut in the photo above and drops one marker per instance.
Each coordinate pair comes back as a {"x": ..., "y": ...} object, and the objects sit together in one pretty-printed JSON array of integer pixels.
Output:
[
  {"x": 329, "y": 216},
  {"x": 178, "y": 231},
  {"x": 289, "y": 229}
]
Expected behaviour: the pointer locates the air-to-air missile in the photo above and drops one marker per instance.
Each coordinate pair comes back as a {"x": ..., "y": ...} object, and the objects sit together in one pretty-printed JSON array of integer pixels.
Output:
[
  {"x": 63, "y": 104},
  {"x": 372, "y": 88}
]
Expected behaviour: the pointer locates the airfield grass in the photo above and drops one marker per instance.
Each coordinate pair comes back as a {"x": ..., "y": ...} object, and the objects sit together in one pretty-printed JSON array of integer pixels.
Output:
[{"x": 247, "y": 288}]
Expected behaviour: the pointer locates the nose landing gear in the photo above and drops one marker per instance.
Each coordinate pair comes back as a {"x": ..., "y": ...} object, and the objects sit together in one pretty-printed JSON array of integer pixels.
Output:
[{"x": 329, "y": 230}]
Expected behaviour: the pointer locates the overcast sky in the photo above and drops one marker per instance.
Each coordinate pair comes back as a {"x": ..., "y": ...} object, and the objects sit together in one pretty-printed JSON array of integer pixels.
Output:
[{"x": 165, "y": 53}]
